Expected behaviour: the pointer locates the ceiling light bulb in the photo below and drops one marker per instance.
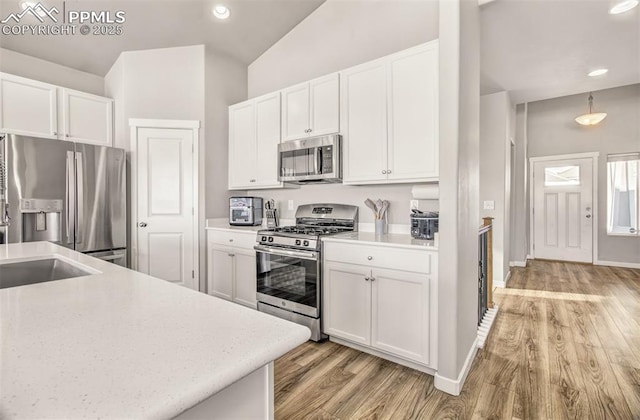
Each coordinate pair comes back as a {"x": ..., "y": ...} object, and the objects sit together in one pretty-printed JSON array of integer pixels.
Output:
[
  {"x": 221, "y": 12},
  {"x": 622, "y": 6},
  {"x": 598, "y": 72}
]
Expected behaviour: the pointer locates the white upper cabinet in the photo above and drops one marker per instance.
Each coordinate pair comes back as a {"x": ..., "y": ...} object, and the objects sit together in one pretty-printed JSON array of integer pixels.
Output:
[
  {"x": 267, "y": 140},
  {"x": 254, "y": 135},
  {"x": 311, "y": 108},
  {"x": 87, "y": 118},
  {"x": 364, "y": 117},
  {"x": 413, "y": 114},
  {"x": 32, "y": 108},
  {"x": 28, "y": 107},
  {"x": 390, "y": 118}
]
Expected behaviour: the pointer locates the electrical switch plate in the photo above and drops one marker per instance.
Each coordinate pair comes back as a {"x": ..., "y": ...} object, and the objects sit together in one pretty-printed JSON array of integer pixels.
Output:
[
  {"x": 290, "y": 204},
  {"x": 413, "y": 204},
  {"x": 489, "y": 205}
]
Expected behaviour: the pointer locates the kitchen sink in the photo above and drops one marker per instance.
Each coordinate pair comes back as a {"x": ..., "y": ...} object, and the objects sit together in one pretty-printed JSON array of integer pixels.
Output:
[{"x": 21, "y": 273}]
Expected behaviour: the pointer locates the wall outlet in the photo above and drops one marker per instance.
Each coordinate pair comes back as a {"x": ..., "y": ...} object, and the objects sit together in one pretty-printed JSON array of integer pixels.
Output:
[
  {"x": 489, "y": 205},
  {"x": 290, "y": 205},
  {"x": 414, "y": 204}
]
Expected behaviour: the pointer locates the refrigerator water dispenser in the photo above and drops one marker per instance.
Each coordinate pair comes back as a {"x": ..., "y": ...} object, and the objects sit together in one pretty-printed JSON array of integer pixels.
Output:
[{"x": 41, "y": 220}]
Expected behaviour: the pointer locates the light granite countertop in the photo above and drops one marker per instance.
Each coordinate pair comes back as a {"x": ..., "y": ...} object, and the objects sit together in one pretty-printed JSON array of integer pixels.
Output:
[
  {"x": 397, "y": 240},
  {"x": 121, "y": 344}
]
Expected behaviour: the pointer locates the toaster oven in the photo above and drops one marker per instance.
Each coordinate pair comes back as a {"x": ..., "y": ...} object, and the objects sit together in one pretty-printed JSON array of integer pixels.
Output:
[{"x": 245, "y": 211}]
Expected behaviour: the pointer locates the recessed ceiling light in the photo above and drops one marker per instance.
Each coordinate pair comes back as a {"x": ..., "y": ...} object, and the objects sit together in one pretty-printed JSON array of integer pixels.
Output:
[
  {"x": 622, "y": 6},
  {"x": 221, "y": 12},
  {"x": 598, "y": 72}
]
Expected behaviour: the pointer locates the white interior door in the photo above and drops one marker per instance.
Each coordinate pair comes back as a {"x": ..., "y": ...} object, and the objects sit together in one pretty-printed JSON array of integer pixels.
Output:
[
  {"x": 165, "y": 205},
  {"x": 563, "y": 210}
]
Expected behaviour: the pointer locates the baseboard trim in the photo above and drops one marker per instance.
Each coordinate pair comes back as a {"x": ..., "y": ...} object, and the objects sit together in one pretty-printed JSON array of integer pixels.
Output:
[
  {"x": 518, "y": 263},
  {"x": 383, "y": 355},
  {"x": 454, "y": 386},
  {"x": 503, "y": 284},
  {"x": 617, "y": 264}
]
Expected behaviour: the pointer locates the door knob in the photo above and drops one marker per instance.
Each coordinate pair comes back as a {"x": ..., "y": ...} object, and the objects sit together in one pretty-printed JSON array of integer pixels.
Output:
[{"x": 142, "y": 224}]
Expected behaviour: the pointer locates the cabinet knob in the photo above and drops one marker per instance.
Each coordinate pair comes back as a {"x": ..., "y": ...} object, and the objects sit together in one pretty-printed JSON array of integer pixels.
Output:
[
  {"x": 231, "y": 240},
  {"x": 384, "y": 172},
  {"x": 372, "y": 279},
  {"x": 388, "y": 171},
  {"x": 55, "y": 133},
  {"x": 232, "y": 255},
  {"x": 366, "y": 279},
  {"x": 369, "y": 257},
  {"x": 67, "y": 135},
  {"x": 142, "y": 224}
]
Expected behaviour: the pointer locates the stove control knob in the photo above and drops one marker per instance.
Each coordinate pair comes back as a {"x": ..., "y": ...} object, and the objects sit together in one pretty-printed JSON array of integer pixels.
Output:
[
  {"x": 297, "y": 241},
  {"x": 305, "y": 243},
  {"x": 264, "y": 239},
  {"x": 270, "y": 238}
]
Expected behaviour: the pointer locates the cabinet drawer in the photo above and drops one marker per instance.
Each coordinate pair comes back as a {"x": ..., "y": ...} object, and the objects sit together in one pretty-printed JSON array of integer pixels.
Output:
[
  {"x": 414, "y": 260},
  {"x": 235, "y": 239}
]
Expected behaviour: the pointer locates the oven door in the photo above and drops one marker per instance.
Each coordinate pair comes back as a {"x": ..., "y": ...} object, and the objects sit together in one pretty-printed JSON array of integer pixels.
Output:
[{"x": 289, "y": 279}]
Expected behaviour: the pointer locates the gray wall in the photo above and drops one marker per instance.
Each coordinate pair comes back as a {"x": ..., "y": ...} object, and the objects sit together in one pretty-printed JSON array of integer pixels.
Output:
[
  {"x": 520, "y": 192},
  {"x": 551, "y": 130},
  {"x": 496, "y": 124},
  {"x": 338, "y": 35},
  {"x": 48, "y": 72},
  {"x": 459, "y": 215},
  {"x": 225, "y": 84}
]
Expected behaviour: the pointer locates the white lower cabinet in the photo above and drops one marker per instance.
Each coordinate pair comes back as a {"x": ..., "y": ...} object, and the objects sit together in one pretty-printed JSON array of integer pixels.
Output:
[
  {"x": 231, "y": 267},
  {"x": 376, "y": 305}
]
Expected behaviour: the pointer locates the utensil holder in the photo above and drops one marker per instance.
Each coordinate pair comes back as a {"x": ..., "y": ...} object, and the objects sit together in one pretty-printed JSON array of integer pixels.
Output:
[{"x": 380, "y": 226}]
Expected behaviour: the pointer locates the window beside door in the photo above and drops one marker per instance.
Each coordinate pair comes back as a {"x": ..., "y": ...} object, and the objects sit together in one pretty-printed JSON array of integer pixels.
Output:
[{"x": 623, "y": 202}]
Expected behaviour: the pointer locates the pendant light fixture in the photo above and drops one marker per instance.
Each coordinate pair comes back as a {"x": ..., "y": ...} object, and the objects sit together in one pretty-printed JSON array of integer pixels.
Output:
[{"x": 592, "y": 118}]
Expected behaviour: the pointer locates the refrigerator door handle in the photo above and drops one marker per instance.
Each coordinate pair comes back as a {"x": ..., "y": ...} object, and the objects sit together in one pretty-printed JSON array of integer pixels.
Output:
[
  {"x": 69, "y": 194},
  {"x": 80, "y": 195}
]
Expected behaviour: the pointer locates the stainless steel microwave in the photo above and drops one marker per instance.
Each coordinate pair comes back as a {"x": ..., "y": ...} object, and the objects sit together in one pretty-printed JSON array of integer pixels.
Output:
[{"x": 312, "y": 160}]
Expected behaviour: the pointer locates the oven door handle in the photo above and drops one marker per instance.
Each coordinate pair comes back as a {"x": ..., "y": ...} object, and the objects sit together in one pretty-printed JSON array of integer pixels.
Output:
[{"x": 286, "y": 253}]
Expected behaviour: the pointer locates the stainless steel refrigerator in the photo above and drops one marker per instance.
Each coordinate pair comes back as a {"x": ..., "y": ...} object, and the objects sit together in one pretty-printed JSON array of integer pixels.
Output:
[{"x": 68, "y": 193}]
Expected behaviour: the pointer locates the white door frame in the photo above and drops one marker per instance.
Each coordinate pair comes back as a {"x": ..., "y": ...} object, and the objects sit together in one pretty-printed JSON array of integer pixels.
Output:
[
  {"x": 194, "y": 126},
  {"x": 594, "y": 187}
]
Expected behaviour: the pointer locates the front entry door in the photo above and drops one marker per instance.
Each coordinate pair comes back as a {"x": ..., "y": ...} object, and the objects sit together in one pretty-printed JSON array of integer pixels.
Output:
[
  {"x": 165, "y": 204},
  {"x": 563, "y": 209}
]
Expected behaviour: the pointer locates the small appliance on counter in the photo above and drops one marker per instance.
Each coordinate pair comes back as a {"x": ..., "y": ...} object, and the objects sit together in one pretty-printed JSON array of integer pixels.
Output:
[
  {"x": 424, "y": 224},
  {"x": 245, "y": 211},
  {"x": 271, "y": 213}
]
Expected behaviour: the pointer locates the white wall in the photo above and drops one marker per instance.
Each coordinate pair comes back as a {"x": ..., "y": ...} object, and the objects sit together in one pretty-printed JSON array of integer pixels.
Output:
[
  {"x": 496, "y": 124},
  {"x": 551, "y": 130},
  {"x": 459, "y": 173},
  {"x": 158, "y": 84},
  {"x": 48, "y": 72},
  {"x": 340, "y": 34}
]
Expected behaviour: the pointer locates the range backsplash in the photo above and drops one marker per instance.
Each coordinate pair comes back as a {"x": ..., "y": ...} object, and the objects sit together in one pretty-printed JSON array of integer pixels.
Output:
[{"x": 399, "y": 196}]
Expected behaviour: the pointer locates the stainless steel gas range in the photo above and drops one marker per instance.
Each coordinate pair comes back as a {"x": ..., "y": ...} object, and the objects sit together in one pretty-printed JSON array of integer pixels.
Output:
[{"x": 289, "y": 263}]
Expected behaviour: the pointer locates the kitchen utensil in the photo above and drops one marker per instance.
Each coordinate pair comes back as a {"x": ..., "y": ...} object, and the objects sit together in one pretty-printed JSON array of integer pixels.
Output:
[
  {"x": 383, "y": 211},
  {"x": 372, "y": 206}
]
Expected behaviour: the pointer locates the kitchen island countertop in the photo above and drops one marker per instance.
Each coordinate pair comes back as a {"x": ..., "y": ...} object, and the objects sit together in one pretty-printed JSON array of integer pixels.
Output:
[{"x": 121, "y": 344}]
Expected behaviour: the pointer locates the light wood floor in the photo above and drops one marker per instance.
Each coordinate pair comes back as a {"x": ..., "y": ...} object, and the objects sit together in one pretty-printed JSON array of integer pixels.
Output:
[{"x": 565, "y": 345}]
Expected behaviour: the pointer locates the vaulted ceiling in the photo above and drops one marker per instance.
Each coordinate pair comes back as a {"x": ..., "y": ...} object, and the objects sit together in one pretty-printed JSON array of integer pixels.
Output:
[{"x": 535, "y": 49}]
